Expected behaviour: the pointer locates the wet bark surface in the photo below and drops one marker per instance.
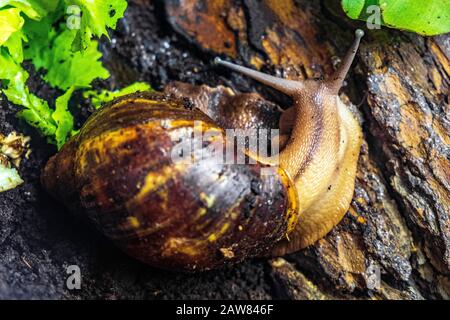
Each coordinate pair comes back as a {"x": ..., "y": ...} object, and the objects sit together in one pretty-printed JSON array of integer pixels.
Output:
[{"x": 398, "y": 223}]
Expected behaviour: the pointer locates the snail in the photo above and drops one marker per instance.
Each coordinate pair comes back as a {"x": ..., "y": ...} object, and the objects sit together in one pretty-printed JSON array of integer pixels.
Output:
[{"x": 120, "y": 173}]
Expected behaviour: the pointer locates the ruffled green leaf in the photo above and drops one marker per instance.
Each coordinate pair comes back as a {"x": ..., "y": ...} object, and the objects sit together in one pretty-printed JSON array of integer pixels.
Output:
[
  {"x": 96, "y": 17},
  {"x": 63, "y": 118}
]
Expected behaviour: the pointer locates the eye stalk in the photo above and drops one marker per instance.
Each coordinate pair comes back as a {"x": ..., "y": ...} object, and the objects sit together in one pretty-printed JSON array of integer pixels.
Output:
[
  {"x": 289, "y": 87},
  {"x": 340, "y": 74}
]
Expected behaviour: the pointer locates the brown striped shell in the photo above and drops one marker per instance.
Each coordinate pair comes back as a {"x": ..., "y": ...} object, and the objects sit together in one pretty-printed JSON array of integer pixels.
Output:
[{"x": 119, "y": 172}]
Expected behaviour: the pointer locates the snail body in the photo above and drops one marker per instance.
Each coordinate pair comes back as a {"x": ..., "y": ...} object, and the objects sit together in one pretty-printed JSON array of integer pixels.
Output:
[
  {"x": 321, "y": 150},
  {"x": 119, "y": 172}
]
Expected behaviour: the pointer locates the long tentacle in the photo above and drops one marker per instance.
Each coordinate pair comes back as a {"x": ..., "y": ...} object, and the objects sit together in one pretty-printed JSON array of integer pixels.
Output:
[{"x": 288, "y": 87}]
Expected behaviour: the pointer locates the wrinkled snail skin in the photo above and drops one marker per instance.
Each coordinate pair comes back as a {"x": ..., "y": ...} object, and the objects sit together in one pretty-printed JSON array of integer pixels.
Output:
[
  {"x": 119, "y": 173},
  {"x": 321, "y": 150}
]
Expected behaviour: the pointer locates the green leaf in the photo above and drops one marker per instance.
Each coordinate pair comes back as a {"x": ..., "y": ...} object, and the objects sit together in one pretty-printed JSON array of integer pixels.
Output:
[
  {"x": 96, "y": 17},
  {"x": 40, "y": 35},
  {"x": 10, "y": 23},
  {"x": 15, "y": 46},
  {"x": 35, "y": 30},
  {"x": 104, "y": 96},
  {"x": 34, "y": 9},
  {"x": 36, "y": 111},
  {"x": 66, "y": 68},
  {"x": 63, "y": 118},
  {"x": 353, "y": 8},
  {"x": 428, "y": 18}
]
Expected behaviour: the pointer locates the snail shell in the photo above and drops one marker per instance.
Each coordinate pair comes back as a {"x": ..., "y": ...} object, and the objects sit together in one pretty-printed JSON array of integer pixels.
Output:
[{"x": 119, "y": 172}]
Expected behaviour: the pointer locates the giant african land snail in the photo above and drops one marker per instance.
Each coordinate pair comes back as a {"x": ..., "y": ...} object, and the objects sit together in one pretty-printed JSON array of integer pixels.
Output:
[{"x": 198, "y": 216}]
